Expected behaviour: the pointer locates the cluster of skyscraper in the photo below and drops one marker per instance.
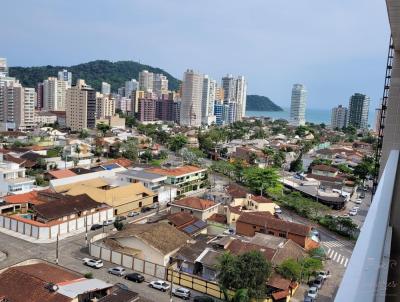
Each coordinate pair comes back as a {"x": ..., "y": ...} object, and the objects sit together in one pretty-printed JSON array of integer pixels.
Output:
[
  {"x": 204, "y": 103},
  {"x": 356, "y": 115},
  {"x": 199, "y": 101}
]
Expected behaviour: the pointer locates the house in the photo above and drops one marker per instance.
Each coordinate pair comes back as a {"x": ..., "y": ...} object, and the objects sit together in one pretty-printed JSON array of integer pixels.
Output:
[
  {"x": 250, "y": 223},
  {"x": 185, "y": 178},
  {"x": 152, "y": 181},
  {"x": 51, "y": 215},
  {"x": 13, "y": 179},
  {"x": 280, "y": 289},
  {"x": 40, "y": 281},
  {"x": 123, "y": 199},
  {"x": 79, "y": 152},
  {"x": 21, "y": 202},
  {"x": 200, "y": 208},
  {"x": 324, "y": 170},
  {"x": 58, "y": 174},
  {"x": 155, "y": 242},
  {"x": 120, "y": 294},
  {"x": 187, "y": 223}
]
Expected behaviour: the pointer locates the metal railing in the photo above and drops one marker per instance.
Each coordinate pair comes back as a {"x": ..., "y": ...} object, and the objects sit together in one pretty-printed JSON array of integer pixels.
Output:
[{"x": 366, "y": 275}]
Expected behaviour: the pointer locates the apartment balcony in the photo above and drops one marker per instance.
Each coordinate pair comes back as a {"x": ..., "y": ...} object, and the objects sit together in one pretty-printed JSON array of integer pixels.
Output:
[{"x": 373, "y": 270}]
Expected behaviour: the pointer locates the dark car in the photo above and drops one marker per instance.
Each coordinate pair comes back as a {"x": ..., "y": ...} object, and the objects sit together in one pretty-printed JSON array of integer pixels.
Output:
[
  {"x": 120, "y": 218},
  {"x": 121, "y": 285},
  {"x": 95, "y": 227},
  {"x": 135, "y": 277},
  {"x": 203, "y": 299},
  {"x": 145, "y": 209}
]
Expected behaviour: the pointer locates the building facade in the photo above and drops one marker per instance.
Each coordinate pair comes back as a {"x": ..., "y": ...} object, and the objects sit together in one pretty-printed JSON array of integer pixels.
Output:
[
  {"x": 298, "y": 105},
  {"x": 339, "y": 117},
  {"x": 65, "y": 75},
  {"x": 358, "y": 111},
  {"x": 146, "y": 79},
  {"x": 54, "y": 93},
  {"x": 192, "y": 90},
  {"x": 105, "y": 88}
]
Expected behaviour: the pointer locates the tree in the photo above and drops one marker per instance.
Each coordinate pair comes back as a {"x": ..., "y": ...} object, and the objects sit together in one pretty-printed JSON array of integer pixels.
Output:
[
  {"x": 118, "y": 225},
  {"x": 103, "y": 128},
  {"x": 290, "y": 269},
  {"x": 130, "y": 149},
  {"x": 259, "y": 179},
  {"x": 310, "y": 266},
  {"x": 83, "y": 134},
  {"x": 147, "y": 156},
  {"x": 177, "y": 142},
  {"x": 297, "y": 165},
  {"x": 248, "y": 271}
]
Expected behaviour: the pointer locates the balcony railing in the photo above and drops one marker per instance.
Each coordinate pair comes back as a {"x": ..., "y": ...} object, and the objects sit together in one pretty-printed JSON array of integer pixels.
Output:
[{"x": 366, "y": 275}]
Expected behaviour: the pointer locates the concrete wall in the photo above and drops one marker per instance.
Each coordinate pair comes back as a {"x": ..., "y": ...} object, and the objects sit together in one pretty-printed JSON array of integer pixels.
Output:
[{"x": 50, "y": 232}]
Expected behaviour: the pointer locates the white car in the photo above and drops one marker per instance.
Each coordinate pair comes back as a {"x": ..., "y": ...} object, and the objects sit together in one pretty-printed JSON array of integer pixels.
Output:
[
  {"x": 108, "y": 222},
  {"x": 118, "y": 271},
  {"x": 312, "y": 292},
  {"x": 278, "y": 210},
  {"x": 358, "y": 201},
  {"x": 353, "y": 212},
  {"x": 95, "y": 263},
  {"x": 133, "y": 214},
  {"x": 160, "y": 285},
  {"x": 324, "y": 275},
  {"x": 181, "y": 292},
  {"x": 356, "y": 208}
]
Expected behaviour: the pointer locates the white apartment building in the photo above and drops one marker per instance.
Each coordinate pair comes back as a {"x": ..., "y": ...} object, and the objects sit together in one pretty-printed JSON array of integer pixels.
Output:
[
  {"x": 298, "y": 105},
  {"x": 160, "y": 84},
  {"x": 235, "y": 91},
  {"x": 191, "y": 99},
  {"x": 13, "y": 179},
  {"x": 3, "y": 67},
  {"x": 105, "y": 88},
  {"x": 208, "y": 99},
  {"x": 339, "y": 117},
  {"x": 131, "y": 86},
  {"x": 65, "y": 75},
  {"x": 54, "y": 93},
  {"x": 105, "y": 106},
  {"x": 24, "y": 110},
  {"x": 146, "y": 80}
]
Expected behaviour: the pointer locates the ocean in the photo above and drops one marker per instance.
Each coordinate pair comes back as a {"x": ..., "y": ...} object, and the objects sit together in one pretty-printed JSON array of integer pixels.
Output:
[{"x": 316, "y": 116}]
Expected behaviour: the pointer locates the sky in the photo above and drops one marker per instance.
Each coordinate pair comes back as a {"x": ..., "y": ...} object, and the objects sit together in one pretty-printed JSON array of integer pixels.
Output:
[{"x": 335, "y": 48}]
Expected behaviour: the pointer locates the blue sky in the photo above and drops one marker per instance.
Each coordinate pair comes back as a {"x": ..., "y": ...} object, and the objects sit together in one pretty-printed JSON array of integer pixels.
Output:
[{"x": 335, "y": 47}]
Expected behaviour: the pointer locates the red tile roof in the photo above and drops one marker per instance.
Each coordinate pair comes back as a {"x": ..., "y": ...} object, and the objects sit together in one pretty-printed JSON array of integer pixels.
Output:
[
  {"x": 239, "y": 247},
  {"x": 181, "y": 218},
  {"x": 220, "y": 218},
  {"x": 267, "y": 220},
  {"x": 325, "y": 168},
  {"x": 277, "y": 281},
  {"x": 31, "y": 197},
  {"x": 176, "y": 171},
  {"x": 236, "y": 191},
  {"x": 261, "y": 199},
  {"x": 123, "y": 162},
  {"x": 58, "y": 174},
  {"x": 195, "y": 203}
]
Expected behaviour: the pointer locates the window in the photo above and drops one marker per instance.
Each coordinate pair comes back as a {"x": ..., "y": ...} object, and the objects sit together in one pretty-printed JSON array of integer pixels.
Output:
[
  {"x": 271, "y": 233},
  {"x": 283, "y": 235}
]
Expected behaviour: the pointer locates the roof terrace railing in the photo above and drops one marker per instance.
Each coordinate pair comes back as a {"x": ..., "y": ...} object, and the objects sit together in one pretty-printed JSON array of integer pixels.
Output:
[{"x": 366, "y": 275}]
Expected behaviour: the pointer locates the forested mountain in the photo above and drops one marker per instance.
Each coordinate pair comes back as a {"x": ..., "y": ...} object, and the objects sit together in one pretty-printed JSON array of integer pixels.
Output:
[{"x": 261, "y": 103}]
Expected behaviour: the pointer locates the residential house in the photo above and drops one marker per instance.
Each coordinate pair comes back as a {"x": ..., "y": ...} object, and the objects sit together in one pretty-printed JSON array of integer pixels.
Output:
[
  {"x": 324, "y": 170},
  {"x": 187, "y": 223},
  {"x": 40, "y": 281},
  {"x": 187, "y": 179},
  {"x": 250, "y": 223},
  {"x": 152, "y": 181},
  {"x": 155, "y": 242},
  {"x": 123, "y": 199},
  {"x": 13, "y": 179},
  {"x": 200, "y": 208}
]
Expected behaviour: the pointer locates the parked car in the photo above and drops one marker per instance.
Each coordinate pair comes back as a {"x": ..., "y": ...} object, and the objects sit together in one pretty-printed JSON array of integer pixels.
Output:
[
  {"x": 315, "y": 232},
  {"x": 345, "y": 216},
  {"x": 312, "y": 292},
  {"x": 95, "y": 227},
  {"x": 118, "y": 271},
  {"x": 120, "y": 218},
  {"x": 278, "y": 210},
  {"x": 154, "y": 206},
  {"x": 324, "y": 275},
  {"x": 108, "y": 222},
  {"x": 203, "y": 299},
  {"x": 95, "y": 263},
  {"x": 355, "y": 208},
  {"x": 135, "y": 277},
  {"x": 353, "y": 212},
  {"x": 229, "y": 232},
  {"x": 181, "y": 292},
  {"x": 133, "y": 214},
  {"x": 145, "y": 209},
  {"x": 358, "y": 201},
  {"x": 160, "y": 285},
  {"x": 309, "y": 299},
  {"x": 318, "y": 282}
]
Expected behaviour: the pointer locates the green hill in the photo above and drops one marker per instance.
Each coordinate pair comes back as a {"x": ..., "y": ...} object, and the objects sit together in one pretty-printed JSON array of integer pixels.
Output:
[
  {"x": 95, "y": 72},
  {"x": 261, "y": 103}
]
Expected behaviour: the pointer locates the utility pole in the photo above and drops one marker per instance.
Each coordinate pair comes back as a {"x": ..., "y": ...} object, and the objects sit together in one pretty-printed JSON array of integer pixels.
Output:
[
  {"x": 57, "y": 250},
  {"x": 86, "y": 233}
]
